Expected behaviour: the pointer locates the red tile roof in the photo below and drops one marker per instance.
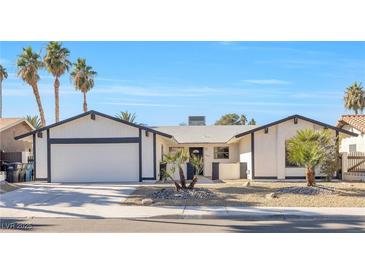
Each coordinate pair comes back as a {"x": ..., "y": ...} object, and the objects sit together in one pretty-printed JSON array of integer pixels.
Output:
[{"x": 356, "y": 121}]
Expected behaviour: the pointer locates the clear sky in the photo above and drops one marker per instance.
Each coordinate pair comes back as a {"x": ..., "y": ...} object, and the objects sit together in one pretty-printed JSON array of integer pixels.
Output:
[{"x": 164, "y": 82}]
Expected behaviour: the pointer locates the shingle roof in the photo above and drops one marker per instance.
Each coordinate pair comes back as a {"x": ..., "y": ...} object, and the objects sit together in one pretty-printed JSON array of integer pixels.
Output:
[
  {"x": 6, "y": 123},
  {"x": 203, "y": 134},
  {"x": 356, "y": 121}
]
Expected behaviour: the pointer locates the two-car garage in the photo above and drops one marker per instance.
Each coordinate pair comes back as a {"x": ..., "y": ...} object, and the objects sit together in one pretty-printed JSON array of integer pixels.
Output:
[{"x": 94, "y": 147}]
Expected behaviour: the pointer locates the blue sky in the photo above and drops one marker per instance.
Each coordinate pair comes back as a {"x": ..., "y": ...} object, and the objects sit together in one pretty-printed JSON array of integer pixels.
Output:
[{"x": 164, "y": 82}]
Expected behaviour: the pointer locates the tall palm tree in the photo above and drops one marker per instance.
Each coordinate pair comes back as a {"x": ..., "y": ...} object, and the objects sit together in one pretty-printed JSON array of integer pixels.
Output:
[
  {"x": 28, "y": 65},
  {"x": 126, "y": 116},
  {"x": 3, "y": 75},
  {"x": 354, "y": 98},
  {"x": 83, "y": 78},
  {"x": 34, "y": 121},
  {"x": 57, "y": 63},
  {"x": 308, "y": 149}
]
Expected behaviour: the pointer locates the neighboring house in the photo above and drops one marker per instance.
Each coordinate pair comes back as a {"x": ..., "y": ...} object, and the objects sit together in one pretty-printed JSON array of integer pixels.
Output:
[
  {"x": 95, "y": 147},
  {"x": 9, "y": 147},
  {"x": 356, "y": 124}
]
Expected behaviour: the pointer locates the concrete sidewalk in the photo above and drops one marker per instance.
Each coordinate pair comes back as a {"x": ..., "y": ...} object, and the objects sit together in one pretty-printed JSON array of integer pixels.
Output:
[{"x": 188, "y": 212}]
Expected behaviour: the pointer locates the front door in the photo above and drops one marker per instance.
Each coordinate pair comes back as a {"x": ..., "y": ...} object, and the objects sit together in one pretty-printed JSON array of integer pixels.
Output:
[{"x": 197, "y": 151}]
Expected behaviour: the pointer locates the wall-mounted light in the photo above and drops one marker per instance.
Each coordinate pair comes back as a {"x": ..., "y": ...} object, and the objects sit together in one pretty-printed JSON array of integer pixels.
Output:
[
  {"x": 39, "y": 134},
  {"x": 92, "y": 116},
  {"x": 295, "y": 120},
  {"x": 266, "y": 130},
  {"x": 147, "y": 133}
]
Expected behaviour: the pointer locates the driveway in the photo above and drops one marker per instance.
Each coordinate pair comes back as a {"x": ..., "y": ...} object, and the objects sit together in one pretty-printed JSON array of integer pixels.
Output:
[{"x": 65, "y": 200}]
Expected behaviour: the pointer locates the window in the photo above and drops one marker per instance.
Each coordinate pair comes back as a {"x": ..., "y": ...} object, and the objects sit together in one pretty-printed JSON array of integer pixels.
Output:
[
  {"x": 352, "y": 148},
  {"x": 287, "y": 162},
  {"x": 221, "y": 153}
]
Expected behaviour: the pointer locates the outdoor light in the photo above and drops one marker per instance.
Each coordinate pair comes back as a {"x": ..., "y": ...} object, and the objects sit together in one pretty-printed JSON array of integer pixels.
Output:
[{"x": 39, "y": 135}]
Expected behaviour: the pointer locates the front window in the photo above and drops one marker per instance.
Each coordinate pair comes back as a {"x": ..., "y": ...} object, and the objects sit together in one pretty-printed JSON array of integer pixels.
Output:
[
  {"x": 221, "y": 153},
  {"x": 352, "y": 148},
  {"x": 287, "y": 162}
]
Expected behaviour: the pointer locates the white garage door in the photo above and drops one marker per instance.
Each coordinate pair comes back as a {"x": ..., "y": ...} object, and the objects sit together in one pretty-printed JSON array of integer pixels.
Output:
[{"x": 94, "y": 162}]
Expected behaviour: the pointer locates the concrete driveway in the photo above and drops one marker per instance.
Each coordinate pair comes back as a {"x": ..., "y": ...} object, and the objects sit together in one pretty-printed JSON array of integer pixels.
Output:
[{"x": 65, "y": 200}]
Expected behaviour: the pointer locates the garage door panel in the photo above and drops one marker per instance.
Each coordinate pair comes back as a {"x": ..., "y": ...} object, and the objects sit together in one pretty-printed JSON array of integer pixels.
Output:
[{"x": 94, "y": 162}]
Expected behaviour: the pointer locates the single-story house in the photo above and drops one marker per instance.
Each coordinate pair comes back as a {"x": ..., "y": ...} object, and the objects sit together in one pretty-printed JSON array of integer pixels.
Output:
[
  {"x": 355, "y": 124},
  {"x": 11, "y": 149},
  {"x": 95, "y": 147}
]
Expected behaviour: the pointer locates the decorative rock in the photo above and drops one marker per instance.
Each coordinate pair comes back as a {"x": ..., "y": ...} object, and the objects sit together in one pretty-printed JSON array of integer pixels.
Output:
[
  {"x": 147, "y": 201},
  {"x": 271, "y": 195},
  {"x": 184, "y": 194}
]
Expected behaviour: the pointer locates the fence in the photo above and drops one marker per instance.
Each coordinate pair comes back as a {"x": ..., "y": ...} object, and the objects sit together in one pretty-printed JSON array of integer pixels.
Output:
[{"x": 353, "y": 166}]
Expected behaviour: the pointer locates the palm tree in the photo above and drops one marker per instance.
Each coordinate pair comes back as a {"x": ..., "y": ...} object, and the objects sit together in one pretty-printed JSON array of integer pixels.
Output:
[
  {"x": 126, "y": 116},
  {"x": 243, "y": 119},
  {"x": 354, "y": 98},
  {"x": 3, "y": 75},
  {"x": 34, "y": 121},
  {"x": 28, "y": 65},
  {"x": 83, "y": 78},
  {"x": 57, "y": 63},
  {"x": 308, "y": 149},
  {"x": 252, "y": 122}
]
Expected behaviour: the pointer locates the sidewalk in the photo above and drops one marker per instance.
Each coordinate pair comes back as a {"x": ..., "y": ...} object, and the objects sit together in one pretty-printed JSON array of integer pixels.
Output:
[{"x": 187, "y": 212}]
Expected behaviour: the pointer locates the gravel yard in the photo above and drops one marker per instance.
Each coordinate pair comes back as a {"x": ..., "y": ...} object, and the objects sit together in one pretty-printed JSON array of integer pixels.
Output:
[{"x": 235, "y": 193}]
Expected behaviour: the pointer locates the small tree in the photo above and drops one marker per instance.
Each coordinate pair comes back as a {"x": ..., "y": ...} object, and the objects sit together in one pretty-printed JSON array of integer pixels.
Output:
[
  {"x": 176, "y": 161},
  {"x": 308, "y": 149},
  {"x": 330, "y": 163}
]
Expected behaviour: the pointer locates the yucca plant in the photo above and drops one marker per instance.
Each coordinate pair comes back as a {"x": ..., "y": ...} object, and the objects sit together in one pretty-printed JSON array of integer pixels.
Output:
[{"x": 308, "y": 149}]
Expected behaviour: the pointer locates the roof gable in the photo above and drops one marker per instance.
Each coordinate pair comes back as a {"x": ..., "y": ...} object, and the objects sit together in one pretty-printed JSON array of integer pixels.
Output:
[
  {"x": 93, "y": 112},
  {"x": 356, "y": 121},
  {"x": 298, "y": 117},
  {"x": 6, "y": 123}
]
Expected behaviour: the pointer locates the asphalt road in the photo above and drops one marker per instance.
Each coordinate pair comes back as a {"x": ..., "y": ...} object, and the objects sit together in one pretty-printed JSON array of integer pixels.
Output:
[{"x": 272, "y": 225}]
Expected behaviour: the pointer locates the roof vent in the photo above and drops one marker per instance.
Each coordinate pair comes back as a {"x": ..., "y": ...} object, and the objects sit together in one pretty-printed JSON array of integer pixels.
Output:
[{"x": 196, "y": 120}]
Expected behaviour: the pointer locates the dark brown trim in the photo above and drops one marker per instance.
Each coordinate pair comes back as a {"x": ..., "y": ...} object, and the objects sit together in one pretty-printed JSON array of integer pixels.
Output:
[
  {"x": 95, "y": 113},
  {"x": 34, "y": 157},
  {"x": 49, "y": 175},
  {"x": 140, "y": 155},
  {"x": 148, "y": 178},
  {"x": 154, "y": 156},
  {"x": 252, "y": 154},
  {"x": 94, "y": 140},
  {"x": 298, "y": 117}
]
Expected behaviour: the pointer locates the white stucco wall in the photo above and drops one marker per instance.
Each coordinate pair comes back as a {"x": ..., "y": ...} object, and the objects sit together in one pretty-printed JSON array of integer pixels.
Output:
[
  {"x": 95, "y": 162},
  {"x": 209, "y": 157},
  {"x": 229, "y": 171},
  {"x": 346, "y": 141},
  {"x": 270, "y": 149},
  {"x": 147, "y": 154},
  {"x": 101, "y": 127},
  {"x": 41, "y": 155},
  {"x": 244, "y": 150}
]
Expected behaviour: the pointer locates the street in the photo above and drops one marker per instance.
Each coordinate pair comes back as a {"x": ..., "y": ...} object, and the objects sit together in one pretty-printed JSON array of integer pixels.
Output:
[{"x": 158, "y": 225}]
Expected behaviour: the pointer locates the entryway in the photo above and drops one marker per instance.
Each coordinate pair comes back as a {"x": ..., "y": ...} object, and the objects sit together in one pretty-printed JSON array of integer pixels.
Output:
[{"x": 199, "y": 152}]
